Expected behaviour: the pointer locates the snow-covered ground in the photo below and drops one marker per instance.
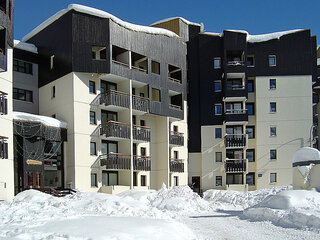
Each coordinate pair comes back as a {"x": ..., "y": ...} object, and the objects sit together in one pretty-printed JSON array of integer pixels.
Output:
[{"x": 178, "y": 213}]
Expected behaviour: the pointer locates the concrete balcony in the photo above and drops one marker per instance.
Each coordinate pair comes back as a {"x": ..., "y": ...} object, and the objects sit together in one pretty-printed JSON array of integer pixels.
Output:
[
  {"x": 176, "y": 165},
  {"x": 236, "y": 165},
  {"x": 235, "y": 140},
  {"x": 176, "y": 139},
  {"x": 116, "y": 161}
]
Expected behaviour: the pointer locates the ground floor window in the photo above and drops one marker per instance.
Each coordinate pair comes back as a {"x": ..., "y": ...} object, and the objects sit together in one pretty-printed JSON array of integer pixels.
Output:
[
  {"x": 143, "y": 180},
  {"x": 52, "y": 179},
  {"x": 94, "y": 182},
  {"x": 218, "y": 181},
  {"x": 250, "y": 177},
  {"x": 234, "y": 178},
  {"x": 273, "y": 177},
  {"x": 175, "y": 181},
  {"x": 109, "y": 178}
]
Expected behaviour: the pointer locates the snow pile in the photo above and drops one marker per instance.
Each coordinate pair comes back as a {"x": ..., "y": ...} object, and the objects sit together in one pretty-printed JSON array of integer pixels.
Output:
[
  {"x": 48, "y": 121},
  {"x": 101, "y": 14},
  {"x": 25, "y": 46},
  {"x": 293, "y": 208},
  {"x": 306, "y": 154},
  {"x": 230, "y": 200}
]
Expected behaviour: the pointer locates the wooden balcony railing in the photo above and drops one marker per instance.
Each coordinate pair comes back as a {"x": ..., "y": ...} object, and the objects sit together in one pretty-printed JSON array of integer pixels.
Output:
[
  {"x": 116, "y": 98},
  {"x": 140, "y": 103},
  {"x": 235, "y": 165},
  {"x": 176, "y": 165},
  {"x": 235, "y": 140},
  {"x": 118, "y": 161},
  {"x": 176, "y": 138}
]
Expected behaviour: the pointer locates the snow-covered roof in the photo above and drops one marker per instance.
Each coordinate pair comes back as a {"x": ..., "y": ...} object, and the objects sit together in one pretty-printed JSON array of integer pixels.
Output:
[
  {"x": 260, "y": 37},
  {"x": 306, "y": 154},
  {"x": 25, "y": 46},
  {"x": 48, "y": 121},
  {"x": 172, "y": 18},
  {"x": 101, "y": 14}
]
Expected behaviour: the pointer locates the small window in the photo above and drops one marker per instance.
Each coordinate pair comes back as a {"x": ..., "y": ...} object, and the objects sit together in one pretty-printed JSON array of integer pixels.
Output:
[
  {"x": 175, "y": 129},
  {"x": 250, "y": 61},
  {"x": 250, "y": 178},
  {"x": 92, "y": 87},
  {"x": 134, "y": 120},
  {"x": 217, "y": 63},
  {"x": 218, "y": 181},
  {"x": 94, "y": 182},
  {"x": 53, "y": 92},
  {"x": 218, "y": 109},
  {"x": 250, "y": 108},
  {"x": 176, "y": 154},
  {"x": 156, "y": 95},
  {"x": 3, "y": 103},
  {"x": 142, "y": 123},
  {"x": 175, "y": 181},
  {"x": 92, "y": 117},
  {"x": 273, "y": 131},
  {"x": 155, "y": 67},
  {"x": 250, "y": 132},
  {"x": 22, "y": 66},
  {"x": 218, "y": 133},
  {"x": 22, "y": 95},
  {"x": 52, "y": 62},
  {"x": 217, "y": 86},
  {"x": 273, "y": 177},
  {"x": 273, "y": 154},
  {"x": 99, "y": 53},
  {"x": 143, "y": 151},
  {"x": 143, "y": 182},
  {"x": 93, "y": 149},
  {"x": 250, "y": 85},
  {"x": 250, "y": 155},
  {"x": 273, "y": 107},
  {"x": 3, "y": 148},
  {"x": 218, "y": 156},
  {"x": 272, "y": 61},
  {"x": 272, "y": 84}
]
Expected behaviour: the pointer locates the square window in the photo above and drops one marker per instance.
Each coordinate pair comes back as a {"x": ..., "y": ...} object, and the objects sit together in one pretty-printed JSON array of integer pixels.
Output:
[
  {"x": 273, "y": 177},
  {"x": 272, "y": 84},
  {"x": 250, "y": 155},
  {"x": 217, "y": 86},
  {"x": 250, "y": 177},
  {"x": 217, "y": 63},
  {"x": 218, "y": 109},
  {"x": 273, "y": 154},
  {"x": 94, "y": 182},
  {"x": 92, "y": 117},
  {"x": 92, "y": 87},
  {"x": 218, "y": 181},
  {"x": 175, "y": 129},
  {"x": 250, "y": 61},
  {"x": 250, "y": 85},
  {"x": 156, "y": 95},
  {"x": 250, "y": 132},
  {"x": 155, "y": 67},
  {"x": 272, "y": 61},
  {"x": 93, "y": 150},
  {"x": 250, "y": 108},
  {"x": 99, "y": 53},
  {"x": 273, "y": 131},
  {"x": 218, "y": 133},
  {"x": 143, "y": 151},
  {"x": 218, "y": 156},
  {"x": 273, "y": 107},
  {"x": 142, "y": 123}
]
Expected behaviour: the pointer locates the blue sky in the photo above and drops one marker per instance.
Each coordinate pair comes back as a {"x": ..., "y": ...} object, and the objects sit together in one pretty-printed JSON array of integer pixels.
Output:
[{"x": 255, "y": 16}]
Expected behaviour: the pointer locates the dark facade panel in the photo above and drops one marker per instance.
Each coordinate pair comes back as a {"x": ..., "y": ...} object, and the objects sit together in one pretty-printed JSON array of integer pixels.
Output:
[{"x": 25, "y": 55}]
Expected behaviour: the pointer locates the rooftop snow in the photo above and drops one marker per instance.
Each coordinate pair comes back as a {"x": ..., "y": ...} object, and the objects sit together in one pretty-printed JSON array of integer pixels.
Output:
[
  {"x": 306, "y": 154},
  {"x": 48, "y": 121},
  {"x": 25, "y": 46},
  {"x": 172, "y": 18},
  {"x": 260, "y": 37},
  {"x": 102, "y": 14}
]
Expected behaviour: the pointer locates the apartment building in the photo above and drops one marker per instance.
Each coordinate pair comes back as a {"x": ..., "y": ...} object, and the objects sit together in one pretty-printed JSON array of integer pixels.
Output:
[
  {"x": 121, "y": 88},
  {"x": 250, "y": 107},
  {"x": 6, "y": 132}
]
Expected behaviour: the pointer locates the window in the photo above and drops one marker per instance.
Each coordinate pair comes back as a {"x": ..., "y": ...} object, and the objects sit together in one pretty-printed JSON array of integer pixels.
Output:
[
  {"x": 273, "y": 177},
  {"x": 175, "y": 129},
  {"x": 3, "y": 148},
  {"x": 217, "y": 63},
  {"x": 218, "y": 133},
  {"x": 155, "y": 67},
  {"x": 143, "y": 180},
  {"x": 142, "y": 123},
  {"x": 52, "y": 62},
  {"x": 175, "y": 181},
  {"x": 92, "y": 87},
  {"x": 250, "y": 85},
  {"x": 22, "y": 66},
  {"x": 250, "y": 177},
  {"x": 134, "y": 120},
  {"x": 109, "y": 178},
  {"x": 217, "y": 109},
  {"x": 273, "y": 154},
  {"x": 217, "y": 86},
  {"x": 94, "y": 182},
  {"x": 250, "y": 61},
  {"x": 143, "y": 151},
  {"x": 99, "y": 53},
  {"x": 250, "y": 132},
  {"x": 250, "y": 155},
  {"x": 92, "y": 117},
  {"x": 3, "y": 103},
  {"x": 53, "y": 92},
  {"x": 218, "y": 156},
  {"x": 273, "y": 131},
  {"x": 218, "y": 181},
  {"x": 234, "y": 108},
  {"x": 272, "y": 84},
  {"x": 156, "y": 95},
  {"x": 273, "y": 107},
  {"x": 53, "y": 116},
  {"x": 272, "y": 61},
  {"x": 93, "y": 150},
  {"x": 23, "y": 95},
  {"x": 176, "y": 154},
  {"x": 250, "y": 108}
]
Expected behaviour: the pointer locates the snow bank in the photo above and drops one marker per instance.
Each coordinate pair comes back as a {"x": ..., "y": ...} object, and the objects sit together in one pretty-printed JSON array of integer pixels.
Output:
[
  {"x": 101, "y": 14},
  {"x": 294, "y": 208},
  {"x": 181, "y": 18},
  {"x": 306, "y": 154},
  {"x": 25, "y": 46},
  {"x": 48, "y": 121}
]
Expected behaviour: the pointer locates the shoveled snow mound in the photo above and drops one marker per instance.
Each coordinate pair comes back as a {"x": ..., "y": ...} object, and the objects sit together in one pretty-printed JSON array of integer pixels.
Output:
[
  {"x": 306, "y": 154},
  {"x": 48, "y": 121},
  {"x": 231, "y": 200},
  {"x": 294, "y": 208}
]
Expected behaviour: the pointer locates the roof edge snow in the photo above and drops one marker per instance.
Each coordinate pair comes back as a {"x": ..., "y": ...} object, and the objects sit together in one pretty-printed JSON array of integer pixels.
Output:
[
  {"x": 25, "y": 46},
  {"x": 172, "y": 18},
  {"x": 101, "y": 14}
]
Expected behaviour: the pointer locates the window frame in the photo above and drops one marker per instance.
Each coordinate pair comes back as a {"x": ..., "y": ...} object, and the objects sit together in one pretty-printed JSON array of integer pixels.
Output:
[
  {"x": 95, "y": 149},
  {"x": 271, "y": 152},
  {"x": 271, "y": 56},
  {"x": 22, "y": 66},
  {"x": 253, "y": 177},
  {"x": 218, "y": 180},
  {"x": 252, "y": 82},
  {"x": 273, "y": 107},
  {"x": 21, "y": 95},
  {"x": 275, "y": 178},
  {"x": 271, "y": 85},
  {"x": 153, "y": 94},
  {"x": 215, "y": 109},
  {"x": 220, "y": 86},
  {"x": 253, "y": 109},
  {"x": 217, "y": 62},
  {"x": 93, "y": 87},
  {"x": 253, "y": 132},
  {"x": 254, "y": 62},
  {"x": 253, "y": 152},
  {"x": 275, "y": 132},
  {"x": 95, "y": 184},
  {"x": 216, "y": 133},
  {"x": 94, "y": 118},
  {"x": 153, "y": 62},
  {"x": 217, "y": 158}
]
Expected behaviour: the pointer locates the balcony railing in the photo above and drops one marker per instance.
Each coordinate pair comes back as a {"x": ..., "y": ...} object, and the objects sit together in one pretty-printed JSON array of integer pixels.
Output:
[
  {"x": 139, "y": 69},
  {"x": 175, "y": 107},
  {"x": 235, "y": 165},
  {"x": 236, "y": 111},
  {"x": 176, "y": 165},
  {"x": 141, "y": 133},
  {"x": 115, "y": 129},
  {"x": 120, "y": 63},
  {"x": 116, "y": 98},
  {"x": 235, "y": 63},
  {"x": 118, "y": 161},
  {"x": 140, "y": 103},
  {"x": 176, "y": 138},
  {"x": 235, "y": 87},
  {"x": 235, "y": 140},
  {"x": 175, "y": 80}
]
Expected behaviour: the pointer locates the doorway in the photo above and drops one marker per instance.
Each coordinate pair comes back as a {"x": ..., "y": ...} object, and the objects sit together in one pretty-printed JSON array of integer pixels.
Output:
[{"x": 34, "y": 179}]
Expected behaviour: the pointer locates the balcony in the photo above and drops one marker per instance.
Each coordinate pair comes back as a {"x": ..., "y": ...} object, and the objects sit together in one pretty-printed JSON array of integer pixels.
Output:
[
  {"x": 174, "y": 74},
  {"x": 233, "y": 115},
  {"x": 176, "y": 138},
  {"x": 141, "y": 134},
  {"x": 235, "y": 63},
  {"x": 116, "y": 161},
  {"x": 235, "y": 140},
  {"x": 176, "y": 165},
  {"x": 236, "y": 165},
  {"x": 140, "y": 105},
  {"x": 115, "y": 100}
]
